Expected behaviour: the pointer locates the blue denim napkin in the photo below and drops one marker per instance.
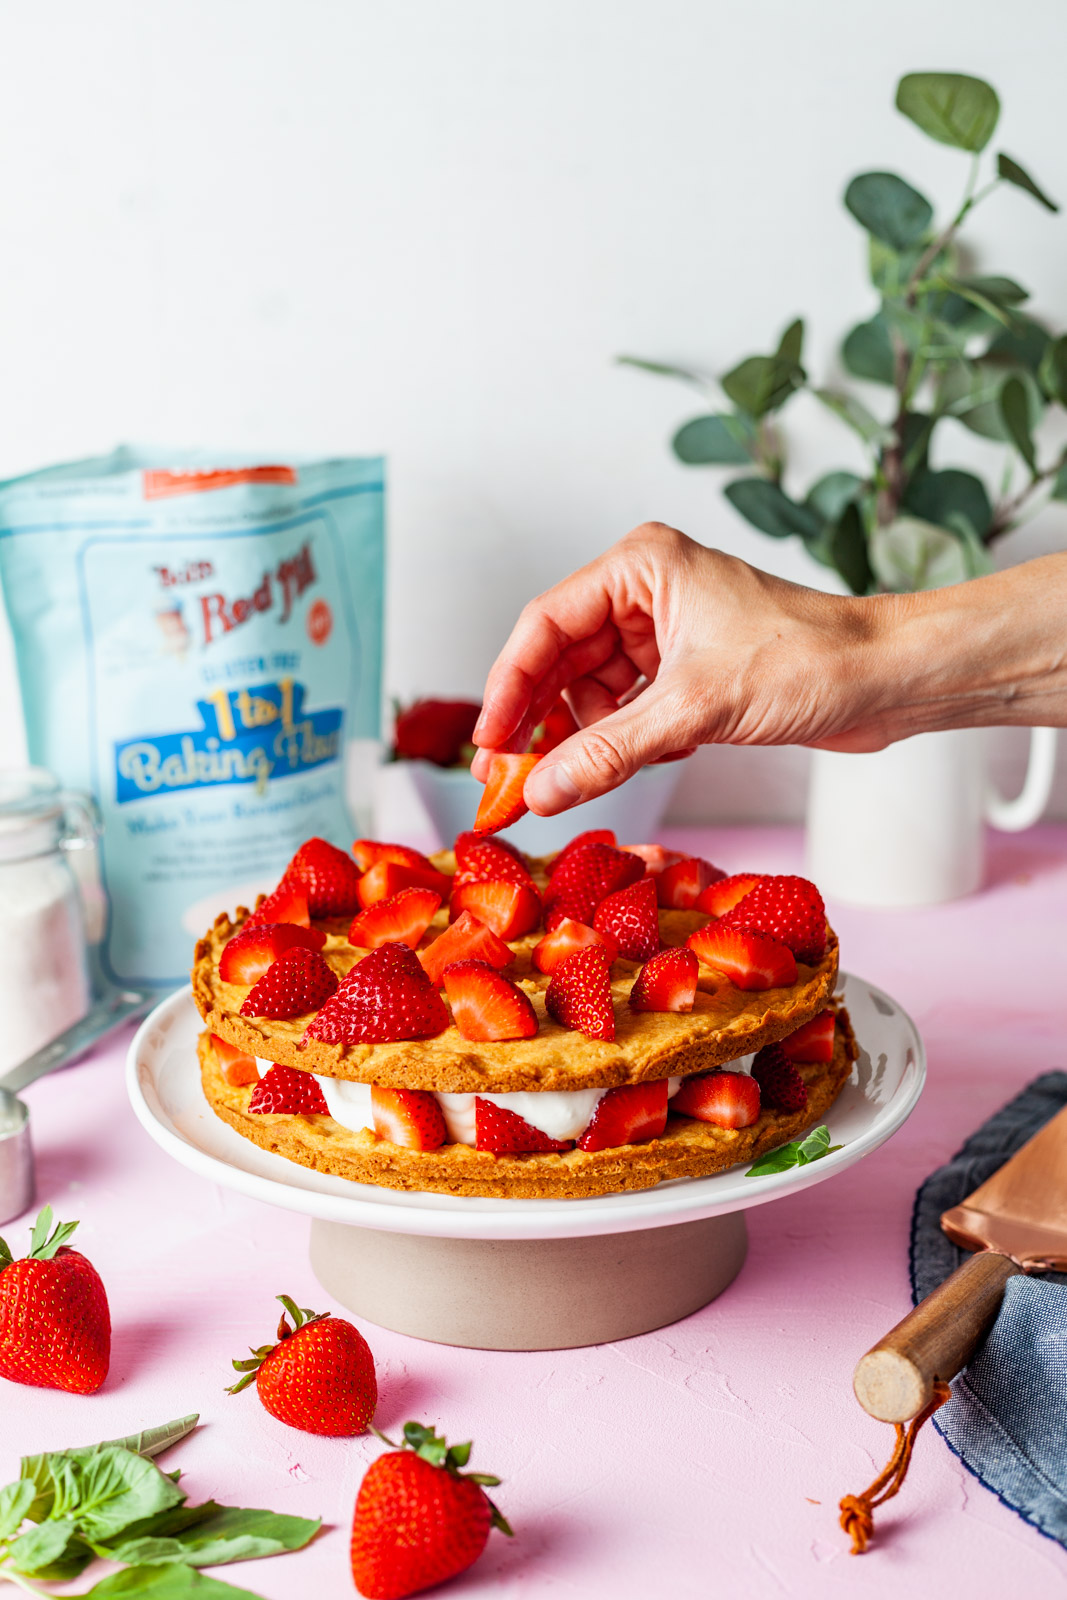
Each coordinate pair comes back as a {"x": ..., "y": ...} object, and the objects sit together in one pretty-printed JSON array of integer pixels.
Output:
[{"x": 1007, "y": 1419}]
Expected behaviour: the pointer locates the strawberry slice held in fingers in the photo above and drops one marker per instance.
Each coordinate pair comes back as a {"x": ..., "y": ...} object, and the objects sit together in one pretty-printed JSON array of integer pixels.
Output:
[
  {"x": 567, "y": 937},
  {"x": 679, "y": 887},
  {"x": 722, "y": 895},
  {"x": 749, "y": 960},
  {"x": 408, "y": 1117},
  {"x": 288, "y": 903},
  {"x": 814, "y": 1042},
  {"x": 298, "y": 982},
  {"x": 248, "y": 955},
  {"x": 781, "y": 1086},
  {"x": 786, "y": 908},
  {"x": 386, "y": 996},
  {"x": 402, "y": 919},
  {"x": 728, "y": 1099},
  {"x": 502, "y": 803},
  {"x": 631, "y": 1114},
  {"x": 368, "y": 853},
  {"x": 466, "y": 939},
  {"x": 486, "y": 1005},
  {"x": 328, "y": 877},
  {"x": 604, "y": 836},
  {"x": 667, "y": 982},
  {"x": 238, "y": 1067},
  {"x": 283, "y": 1091},
  {"x": 509, "y": 909},
  {"x": 387, "y": 878},
  {"x": 504, "y": 1132},
  {"x": 631, "y": 918},
  {"x": 579, "y": 995}
]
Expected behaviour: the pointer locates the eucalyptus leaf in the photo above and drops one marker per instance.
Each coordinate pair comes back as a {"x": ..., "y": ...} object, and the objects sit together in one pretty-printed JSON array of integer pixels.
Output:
[
  {"x": 165, "y": 1583},
  {"x": 1015, "y": 415},
  {"x": 717, "y": 440},
  {"x": 889, "y": 208},
  {"x": 661, "y": 369},
  {"x": 231, "y": 1533},
  {"x": 1052, "y": 373},
  {"x": 892, "y": 270},
  {"x": 937, "y": 496},
  {"x": 951, "y": 107},
  {"x": 829, "y": 496},
  {"x": 15, "y": 1501},
  {"x": 867, "y": 351},
  {"x": 979, "y": 561},
  {"x": 762, "y": 383},
  {"x": 1059, "y": 482},
  {"x": 770, "y": 510},
  {"x": 859, "y": 419},
  {"x": 1012, "y": 172},
  {"x": 791, "y": 344},
  {"x": 848, "y": 550},
  {"x": 911, "y": 555},
  {"x": 915, "y": 440},
  {"x": 1022, "y": 345}
]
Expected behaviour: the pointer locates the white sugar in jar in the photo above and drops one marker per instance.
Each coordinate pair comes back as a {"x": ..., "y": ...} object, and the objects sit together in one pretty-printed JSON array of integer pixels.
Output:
[{"x": 44, "y": 971}]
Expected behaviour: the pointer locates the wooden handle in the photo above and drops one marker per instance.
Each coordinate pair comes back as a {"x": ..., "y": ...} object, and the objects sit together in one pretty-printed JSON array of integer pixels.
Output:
[{"x": 895, "y": 1380}]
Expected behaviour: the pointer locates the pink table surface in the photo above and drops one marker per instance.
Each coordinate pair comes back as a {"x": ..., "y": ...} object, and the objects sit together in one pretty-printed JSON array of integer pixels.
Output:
[{"x": 705, "y": 1458}]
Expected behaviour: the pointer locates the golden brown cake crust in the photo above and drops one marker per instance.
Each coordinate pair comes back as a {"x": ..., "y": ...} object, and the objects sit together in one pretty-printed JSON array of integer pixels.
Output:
[
  {"x": 726, "y": 1022},
  {"x": 687, "y": 1149}
]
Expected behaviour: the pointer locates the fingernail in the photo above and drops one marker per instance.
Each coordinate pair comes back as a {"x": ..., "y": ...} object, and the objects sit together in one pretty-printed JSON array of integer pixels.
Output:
[{"x": 551, "y": 789}]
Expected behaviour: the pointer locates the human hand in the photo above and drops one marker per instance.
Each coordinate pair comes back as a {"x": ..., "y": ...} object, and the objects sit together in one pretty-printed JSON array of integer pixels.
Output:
[{"x": 662, "y": 645}]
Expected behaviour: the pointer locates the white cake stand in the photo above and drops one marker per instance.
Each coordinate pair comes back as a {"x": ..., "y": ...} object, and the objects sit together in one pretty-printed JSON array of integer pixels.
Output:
[{"x": 520, "y": 1274}]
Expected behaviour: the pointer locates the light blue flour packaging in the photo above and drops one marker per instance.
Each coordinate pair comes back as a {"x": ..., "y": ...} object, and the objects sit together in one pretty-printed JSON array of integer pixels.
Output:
[{"x": 199, "y": 645}]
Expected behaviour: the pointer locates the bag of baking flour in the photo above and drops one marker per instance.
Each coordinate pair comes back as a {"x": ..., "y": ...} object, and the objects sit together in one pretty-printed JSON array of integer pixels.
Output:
[{"x": 199, "y": 645}]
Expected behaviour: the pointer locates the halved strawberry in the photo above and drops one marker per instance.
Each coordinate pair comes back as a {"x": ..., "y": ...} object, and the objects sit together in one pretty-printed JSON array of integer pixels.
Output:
[
  {"x": 410, "y": 1118},
  {"x": 728, "y": 1099},
  {"x": 402, "y": 919},
  {"x": 567, "y": 937},
  {"x": 667, "y": 982},
  {"x": 298, "y": 982},
  {"x": 749, "y": 960},
  {"x": 510, "y": 909},
  {"x": 328, "y": 877},
  {"x": 246, "y": 957},
  {"x": 781, "y": 1085},
  {"x": 238, "y": 1067},
  {"x": 502, "y": 802},
  {"x": 288, "y": 903},
  {"x": 680, "y": 886},
  {"x": 630, "y": 918},
  {"x": 721, "y": 896},
  {"x": 285, "y": 1092},
  {"x": 466, "y": 842},
  {"x": 631, "y": 1114},
  {"x": 387, "y": 878},
  {"x": 655, "y": 856},
  {"x": 486, "y": 861},
  {"x": 368, "y": 853},
  {"x": 466, "y": 939},
  {"x": 386, "y": 996},
  {"x": 579, "y": 995},
  {"x": 584, "y": 877},
  {"x": 486, "y": 1005},
  {"x": 604, "y": 836},
  {"x": 814, "y": 1041},
  {"x": 786, "y": 908},
  {"x": 506, "y": 1133}
]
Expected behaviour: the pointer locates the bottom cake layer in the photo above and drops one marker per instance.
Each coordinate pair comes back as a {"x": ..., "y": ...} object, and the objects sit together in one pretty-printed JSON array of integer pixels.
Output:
[{"x": 687, "y": 1148}]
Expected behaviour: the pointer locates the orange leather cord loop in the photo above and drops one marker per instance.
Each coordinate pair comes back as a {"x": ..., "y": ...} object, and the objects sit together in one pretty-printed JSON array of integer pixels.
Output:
[{"x": 857, "y": 1510}]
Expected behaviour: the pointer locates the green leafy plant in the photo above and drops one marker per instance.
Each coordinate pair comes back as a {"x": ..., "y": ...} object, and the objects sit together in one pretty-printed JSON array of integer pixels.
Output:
[
  {"x": 945, "y": 341},
  {"x": 798, "y": 1153},
  {"x": 111, "y": 1500}
]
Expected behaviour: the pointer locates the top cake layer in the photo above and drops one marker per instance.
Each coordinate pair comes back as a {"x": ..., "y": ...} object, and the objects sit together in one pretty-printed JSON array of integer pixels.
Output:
[{"x": 726, "y": 1022}]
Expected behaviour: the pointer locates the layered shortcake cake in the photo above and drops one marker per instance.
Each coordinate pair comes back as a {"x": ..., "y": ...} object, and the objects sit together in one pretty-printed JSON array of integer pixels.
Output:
[{"x": 482, "y": 1023}]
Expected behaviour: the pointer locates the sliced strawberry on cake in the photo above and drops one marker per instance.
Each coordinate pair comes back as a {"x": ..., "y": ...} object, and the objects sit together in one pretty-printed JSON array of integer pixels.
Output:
[
  {"x": 298, "y": 982},
  {"x": 579, "y": 995},
  {"x": 486, "y": 1005},
  {"x": 386, "y": 996},
  {"x": 410, "y": 1118},
  {"x": 749, "y": 960},
  {"x": 510, "y": 909},
  {"x": 327, "y": 876},
  {"x": 488, "y": 860},
  {"x": 285, "y": 1092},
  {"x": 402, "y": 919},
  {"x": 668, "y": 982},
  {"x": 604, "y": 836},
  {"x": 238, "y": 1067},
  {"x": 814, "y": 1042},
  {"x": 728, "y": 1099},
  {"x": 722, "y": 895},
  {"x": 502, "y": 803},
  {"x": 248, "y": 955},
  {"x": 466, "y": 842},
  {"x": 584, "y": 878},
  {"x": 567, "y": 937},
  {"x": 679, "y": 887},
  {"x": 504, "y": 1132},
  {"x": 655, "y": 856},
  {"x": 368, "y": 853},
  {"x": 288, "y": 903},
  {"x": 631, "y": 1114},
  {"x": 630, "y": 917},
  {"x": 786, "y": 908},
  {"x": 781, "y": 1085},
  {"x": 386, "y": 879},
  {"x": 466, "y": 939}
]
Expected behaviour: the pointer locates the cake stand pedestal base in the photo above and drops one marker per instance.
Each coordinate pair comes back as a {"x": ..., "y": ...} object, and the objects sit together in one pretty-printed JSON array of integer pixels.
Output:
[{"x": 529, "y": 1294}]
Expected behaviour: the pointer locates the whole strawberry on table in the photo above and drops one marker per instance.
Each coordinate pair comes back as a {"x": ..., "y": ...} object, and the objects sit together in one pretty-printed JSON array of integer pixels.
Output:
[
  {"x": 55, "y": 1326},
  {"x": 319, "y": 1376}
]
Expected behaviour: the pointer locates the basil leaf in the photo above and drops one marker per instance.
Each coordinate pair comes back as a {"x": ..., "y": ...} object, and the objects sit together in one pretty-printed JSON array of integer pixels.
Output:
[
  {"x": 41, "y": 1546},
  {"x": 106, "y": 1489},
  {"x": 228, "y": 1533},
  {"x": 15, "y": 1501},
  {"x": 779, "y": 1160},
  {"x": 797, "y": 1153},
  {"x": 816, "y": 1144},
  {"x": 152, "y": 1441},
  {"x": 165, "y": 1583}
]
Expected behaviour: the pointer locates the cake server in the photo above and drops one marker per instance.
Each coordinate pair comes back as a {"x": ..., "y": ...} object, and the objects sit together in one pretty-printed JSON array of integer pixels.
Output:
[{"x": 1014, "y": 1222}]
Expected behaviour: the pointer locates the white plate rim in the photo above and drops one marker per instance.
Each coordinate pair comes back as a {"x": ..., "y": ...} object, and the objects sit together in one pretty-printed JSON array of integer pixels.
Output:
[{"x": 448, "y": 1216}]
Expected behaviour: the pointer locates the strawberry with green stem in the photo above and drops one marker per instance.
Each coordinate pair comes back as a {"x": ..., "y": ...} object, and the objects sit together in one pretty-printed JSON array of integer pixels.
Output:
[
  {"x": 319, "y": 1376},
  {"x": 55, "y": 1326}
]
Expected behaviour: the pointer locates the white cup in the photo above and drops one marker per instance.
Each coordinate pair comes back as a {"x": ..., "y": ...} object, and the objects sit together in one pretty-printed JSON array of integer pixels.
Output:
[{"x": 905, "y": 826}]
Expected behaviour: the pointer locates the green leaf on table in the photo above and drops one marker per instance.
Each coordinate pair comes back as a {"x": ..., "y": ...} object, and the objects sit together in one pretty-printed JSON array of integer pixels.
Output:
[
  {"x": 830, "y": 494},
  {"x": 936, "y": 496},
  {"x": 165, "y": 1583},
  {"x": 1015, "y": 415},
  {"x": 1012, "y": 172},
  {"x": 102, "y": 1489},
  {"x": 798, "y": 1153},
  {"x": 889, "y": 208},
  {"x": 856, "y": 415},
  {"x": 226, "y": 1533},
  {"x": 661, "y": 369},
  {"x": 717, "y": 440},
  {"x": 951, "y": 107},
  {"x": 911, "y": 555},
  {"x": 15, "y": 1501},
  {"x": 847, "y": 546},
  {"x": 867, "y": 351},
  {"x": 1052, "y": 373},
  {"x": 46, "y": 1548},
  {"x": 770, "y": 510}
]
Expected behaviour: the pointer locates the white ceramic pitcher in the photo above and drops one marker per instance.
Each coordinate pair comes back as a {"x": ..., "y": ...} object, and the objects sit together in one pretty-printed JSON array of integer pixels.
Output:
[{"x": 904, "y": 826}]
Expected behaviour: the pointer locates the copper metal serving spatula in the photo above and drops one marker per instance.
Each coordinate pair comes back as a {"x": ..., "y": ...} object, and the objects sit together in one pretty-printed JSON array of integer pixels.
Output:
[{"x": 1015, "y": 1222}]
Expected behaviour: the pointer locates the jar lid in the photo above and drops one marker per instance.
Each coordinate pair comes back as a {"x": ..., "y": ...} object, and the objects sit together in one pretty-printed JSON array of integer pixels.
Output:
[{"x": 31, "y": 812}]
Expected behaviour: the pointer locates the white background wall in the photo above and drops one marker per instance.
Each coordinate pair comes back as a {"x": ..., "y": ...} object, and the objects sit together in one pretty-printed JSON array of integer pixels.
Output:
[{"x": 425, "y": 227}]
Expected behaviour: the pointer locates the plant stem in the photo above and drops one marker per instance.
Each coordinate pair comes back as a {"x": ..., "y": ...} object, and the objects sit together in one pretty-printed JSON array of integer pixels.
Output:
[
  {"x": 24, "y": 1583},
  {"x": 1005, "y": 514}
]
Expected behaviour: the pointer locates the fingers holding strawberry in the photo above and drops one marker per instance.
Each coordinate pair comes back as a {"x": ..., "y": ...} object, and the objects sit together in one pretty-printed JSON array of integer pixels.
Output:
[
  {"x": 318, "y": 1377},
  {"x": 55, "y": 1326}
]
